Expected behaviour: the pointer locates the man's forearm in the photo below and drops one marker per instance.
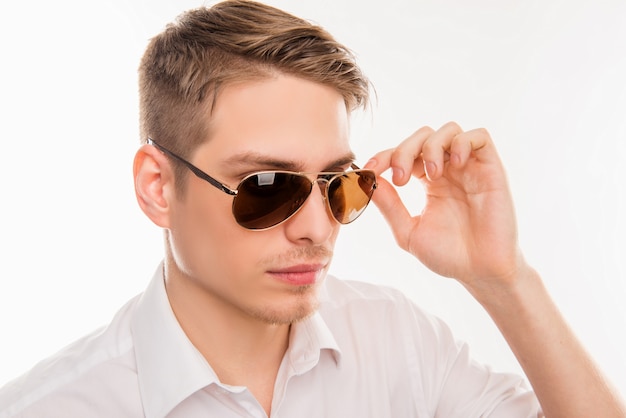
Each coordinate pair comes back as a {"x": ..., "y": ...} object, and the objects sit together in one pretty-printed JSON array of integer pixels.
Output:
[{"x": 563, "y": 375}]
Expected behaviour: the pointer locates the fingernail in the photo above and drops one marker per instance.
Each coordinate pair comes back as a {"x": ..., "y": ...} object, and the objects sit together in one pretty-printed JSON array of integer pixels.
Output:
[{"x": 431, "y": 169}]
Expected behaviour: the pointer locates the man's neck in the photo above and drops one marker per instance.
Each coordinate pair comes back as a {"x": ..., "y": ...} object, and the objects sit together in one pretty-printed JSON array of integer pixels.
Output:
[{"x": 241, "y": 349}]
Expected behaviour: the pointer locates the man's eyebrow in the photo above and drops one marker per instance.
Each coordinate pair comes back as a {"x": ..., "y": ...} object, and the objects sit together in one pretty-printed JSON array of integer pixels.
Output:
[{"x": 253, "y": 160}]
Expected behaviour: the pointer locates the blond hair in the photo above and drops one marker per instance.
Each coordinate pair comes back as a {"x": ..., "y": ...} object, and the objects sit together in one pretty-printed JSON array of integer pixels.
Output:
[{"x": 184, "y": 67}]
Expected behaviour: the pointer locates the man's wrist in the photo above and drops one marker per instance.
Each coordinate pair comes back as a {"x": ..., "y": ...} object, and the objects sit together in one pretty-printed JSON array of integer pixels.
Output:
[{"x": 516, "y": 292}]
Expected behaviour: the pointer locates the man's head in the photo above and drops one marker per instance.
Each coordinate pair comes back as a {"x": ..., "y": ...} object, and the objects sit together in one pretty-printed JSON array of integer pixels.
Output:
[
  {"x": 185, "y": 67},
  {"x": 235, "y": 90}
]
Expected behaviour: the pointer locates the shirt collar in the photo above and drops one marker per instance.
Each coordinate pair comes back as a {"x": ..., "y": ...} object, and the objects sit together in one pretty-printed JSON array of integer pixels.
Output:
[
  {"x": 170, "y": 368},
  {"x": 307, "y": 341},
  {"x": 309, "y": 338}
]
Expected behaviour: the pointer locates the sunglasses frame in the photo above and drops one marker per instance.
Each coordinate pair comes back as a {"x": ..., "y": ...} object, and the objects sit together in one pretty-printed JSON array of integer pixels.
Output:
[{"x": 325, "y": 176}]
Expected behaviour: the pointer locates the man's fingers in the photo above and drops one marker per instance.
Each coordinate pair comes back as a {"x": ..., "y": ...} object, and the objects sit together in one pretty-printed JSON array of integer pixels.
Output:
[
  {"x": 472, "y": 143},
  {"x": 435, "y": 150},
  {"x": 426, "y": 152},
  {"x": 390, "y": 204},
  {"x": 406, "y": 157}
]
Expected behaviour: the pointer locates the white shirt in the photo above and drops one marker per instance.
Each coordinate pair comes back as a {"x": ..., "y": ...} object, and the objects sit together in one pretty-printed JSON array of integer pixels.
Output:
[{"x": 367, "y": 352}]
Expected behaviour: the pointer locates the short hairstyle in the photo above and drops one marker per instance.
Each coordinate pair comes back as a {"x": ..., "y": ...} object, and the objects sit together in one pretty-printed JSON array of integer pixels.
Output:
[{"x": 205, "y": 49}]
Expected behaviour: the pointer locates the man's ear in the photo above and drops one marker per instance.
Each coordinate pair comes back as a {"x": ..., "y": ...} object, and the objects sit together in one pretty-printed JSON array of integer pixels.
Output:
[{"x": 154, "y": 184}]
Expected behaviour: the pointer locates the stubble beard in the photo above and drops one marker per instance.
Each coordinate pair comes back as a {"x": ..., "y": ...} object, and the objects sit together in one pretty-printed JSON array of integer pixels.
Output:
[{"x": 305, "y": 304}]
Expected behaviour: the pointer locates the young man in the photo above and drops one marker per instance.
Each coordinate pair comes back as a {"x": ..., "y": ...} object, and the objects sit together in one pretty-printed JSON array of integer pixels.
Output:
[{"x": 247, "y": 168}]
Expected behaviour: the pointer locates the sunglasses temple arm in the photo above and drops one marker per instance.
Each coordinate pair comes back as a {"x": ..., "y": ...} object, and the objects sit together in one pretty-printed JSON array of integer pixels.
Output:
[
  {"x": 199, "y": 173},
  {"x": 205, "y": 176}
]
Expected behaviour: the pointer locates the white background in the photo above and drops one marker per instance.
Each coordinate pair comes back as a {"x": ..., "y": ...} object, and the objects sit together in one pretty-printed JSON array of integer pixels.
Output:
[{"x": 547, "y": 78}]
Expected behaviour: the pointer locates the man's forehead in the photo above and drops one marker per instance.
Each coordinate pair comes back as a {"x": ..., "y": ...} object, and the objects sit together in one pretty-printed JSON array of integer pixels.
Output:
[{"x": 279, "y": 123}]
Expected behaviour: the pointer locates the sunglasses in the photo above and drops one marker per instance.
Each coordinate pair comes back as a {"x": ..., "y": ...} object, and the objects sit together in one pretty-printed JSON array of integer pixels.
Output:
[{"x": 268, "y": 198}]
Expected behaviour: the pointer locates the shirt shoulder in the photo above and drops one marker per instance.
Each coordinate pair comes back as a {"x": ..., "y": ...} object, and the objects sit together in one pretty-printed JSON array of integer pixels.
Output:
[
  {"x": 340, "y": 291},
  {"x": 416, "y": 354},
  {"x": 372, "y": 315},
  {"x": 341, "y": 295},
  {"x": 91, "y": 361}
]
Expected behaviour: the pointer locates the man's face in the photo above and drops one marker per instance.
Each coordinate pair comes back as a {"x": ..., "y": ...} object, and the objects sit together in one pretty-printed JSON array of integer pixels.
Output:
[{"x": 283, "y": 123}]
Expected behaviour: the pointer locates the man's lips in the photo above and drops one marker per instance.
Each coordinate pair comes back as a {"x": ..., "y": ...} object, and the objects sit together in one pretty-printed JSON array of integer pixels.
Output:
[{"x": 301, "y": 274}]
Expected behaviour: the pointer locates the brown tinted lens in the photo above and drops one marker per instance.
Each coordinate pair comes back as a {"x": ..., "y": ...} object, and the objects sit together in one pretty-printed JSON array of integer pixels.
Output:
[
  {"x": 266, "y": 199},
  {"x": 350, "y": 193}
]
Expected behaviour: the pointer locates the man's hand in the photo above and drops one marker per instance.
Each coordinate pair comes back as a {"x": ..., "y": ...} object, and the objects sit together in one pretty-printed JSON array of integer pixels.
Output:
[{"x": 467, "y": 229}]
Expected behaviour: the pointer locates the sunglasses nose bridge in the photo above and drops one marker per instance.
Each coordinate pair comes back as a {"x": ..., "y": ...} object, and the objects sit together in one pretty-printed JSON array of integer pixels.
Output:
[{"x": 323, "y": 184}]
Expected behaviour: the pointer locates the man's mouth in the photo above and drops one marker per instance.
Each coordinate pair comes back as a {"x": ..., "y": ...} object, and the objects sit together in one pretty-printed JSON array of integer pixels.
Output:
[{"x": 300, "y": 274}]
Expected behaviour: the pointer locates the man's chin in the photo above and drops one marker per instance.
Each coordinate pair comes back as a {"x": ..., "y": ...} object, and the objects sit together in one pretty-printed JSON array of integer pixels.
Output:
[{"x": 285, "y": 315}]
